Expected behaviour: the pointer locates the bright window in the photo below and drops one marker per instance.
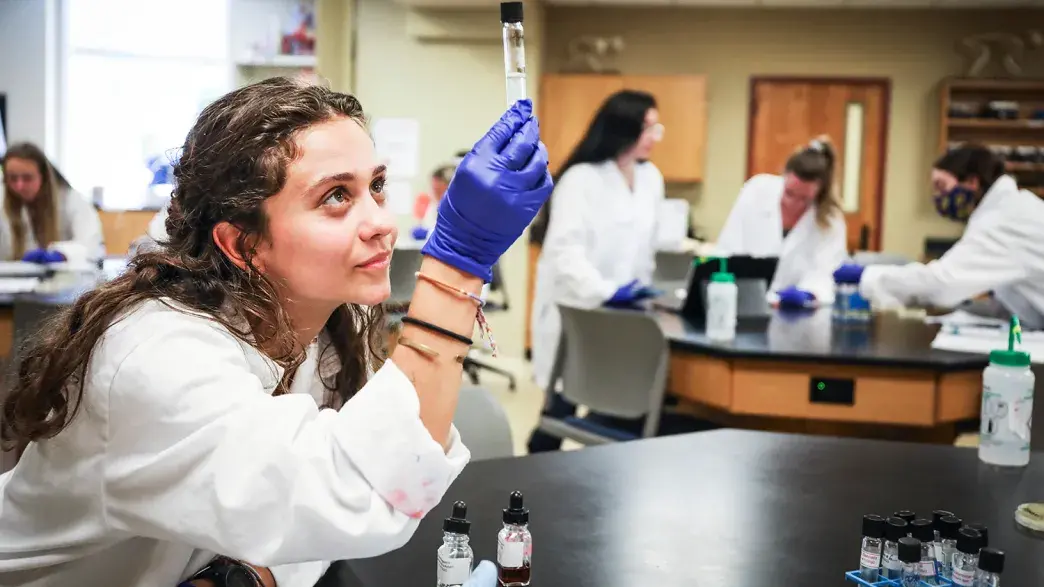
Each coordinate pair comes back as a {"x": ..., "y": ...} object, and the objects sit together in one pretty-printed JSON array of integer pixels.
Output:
[{"x": 133, "y": 84}]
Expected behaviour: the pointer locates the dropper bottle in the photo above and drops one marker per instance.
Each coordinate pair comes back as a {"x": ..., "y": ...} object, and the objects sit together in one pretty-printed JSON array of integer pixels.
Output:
[
  {"x": 514, "y": 51},
  {"x": 1007, "y": 404},
  {"x": 455, "y": 555},
  {"x": 514, "y": 544},
  {"x": 722, "y": 298}
]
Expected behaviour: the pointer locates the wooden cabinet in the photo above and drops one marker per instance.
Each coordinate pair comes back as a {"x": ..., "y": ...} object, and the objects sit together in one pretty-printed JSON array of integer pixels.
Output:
[
  {"x": 568, "y": 102},
  {"x": 120, "y": 228}
]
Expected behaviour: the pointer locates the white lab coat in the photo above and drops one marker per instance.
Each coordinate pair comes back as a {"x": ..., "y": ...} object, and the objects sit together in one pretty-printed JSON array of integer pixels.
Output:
[
  {"x": 1002, "y": 250},
  {"x": 807, "y": 256},
  {"x": 79, "y": 230},
  {"x": 180, "y": 452},
  {"x": 601, "y": 236}
]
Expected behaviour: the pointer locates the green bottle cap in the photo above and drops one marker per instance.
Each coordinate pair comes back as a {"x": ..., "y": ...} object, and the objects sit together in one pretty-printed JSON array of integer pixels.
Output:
[
  {"x": 1012, "y": 357},
  {"x": 722, "y": 275}
]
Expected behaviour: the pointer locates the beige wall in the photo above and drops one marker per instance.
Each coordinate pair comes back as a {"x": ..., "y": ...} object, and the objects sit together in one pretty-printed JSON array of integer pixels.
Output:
[
  {"x": 456, "y": 90},
  {"x": 914, "y": 48}
]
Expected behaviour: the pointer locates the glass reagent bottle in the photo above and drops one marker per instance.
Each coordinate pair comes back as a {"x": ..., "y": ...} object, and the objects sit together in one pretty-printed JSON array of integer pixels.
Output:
[
  {"x": 948, "y": 528},
  {"x": 514, "y": 51},
  {"x": 910, "y": 559},
  {"x": 894, "y": 530},
  {"x": 514, "y": 545},
  {"x": 922, "y": 531},
  {"x": 870, "y": 551},
  {"x": 455, "y": 555},
  {"x": 991, "y": 565},
  {"x": 966, "y": 559}
]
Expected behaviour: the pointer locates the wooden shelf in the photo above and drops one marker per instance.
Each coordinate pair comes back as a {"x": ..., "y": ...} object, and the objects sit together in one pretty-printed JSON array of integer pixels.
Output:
[
  {"x": 1025, "y": 167},
  {"x": 987, "y": 123},
  {"x": 1038, "y": 190}
]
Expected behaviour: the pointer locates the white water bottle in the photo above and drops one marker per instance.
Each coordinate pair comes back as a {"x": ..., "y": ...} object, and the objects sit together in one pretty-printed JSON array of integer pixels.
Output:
[
  {"x": 722, "y": 296},
  {"x": 1007, "y": 405}
]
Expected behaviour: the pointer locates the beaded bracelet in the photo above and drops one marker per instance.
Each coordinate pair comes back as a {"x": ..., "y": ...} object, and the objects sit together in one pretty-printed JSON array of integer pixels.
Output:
[{"x": 480, "y": 317}]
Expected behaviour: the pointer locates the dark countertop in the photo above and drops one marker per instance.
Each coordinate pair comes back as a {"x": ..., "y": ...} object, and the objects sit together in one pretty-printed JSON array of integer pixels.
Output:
[
  {"x": 726, "y": 508},
  {"x": 889, "y": 341}
]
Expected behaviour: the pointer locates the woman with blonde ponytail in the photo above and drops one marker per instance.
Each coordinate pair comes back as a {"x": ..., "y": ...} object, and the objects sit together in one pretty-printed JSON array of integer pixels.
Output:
[{"x": 795, "y": 217}]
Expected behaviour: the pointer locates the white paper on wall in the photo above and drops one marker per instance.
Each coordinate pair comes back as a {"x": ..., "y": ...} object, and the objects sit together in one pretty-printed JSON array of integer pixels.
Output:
[
  {"x": 398, "y": 195},
  {"x": 397, "y": 141}
]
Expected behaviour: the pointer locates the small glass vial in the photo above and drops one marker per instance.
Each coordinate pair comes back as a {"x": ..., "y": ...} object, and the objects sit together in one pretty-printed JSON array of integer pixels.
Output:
[
  {"x": 991, "y": 565},
  {"x": 948, "y": 528},
  {"x": 514, "y": 544},
  {"x": 906, "y": 515},
  {"x": 922, "y": 531},
  {"x": 514, "y": 51},
  {"x": 910, "y": 561},
  {"x": 455, "y": 555},
  {"x": 870, "y": 551},
  {"x": 891, "y": 567},
  {"x": 966, "y": 559},
  {"x": 984, "y": 533},
  {"x": 938, "y": 515}
]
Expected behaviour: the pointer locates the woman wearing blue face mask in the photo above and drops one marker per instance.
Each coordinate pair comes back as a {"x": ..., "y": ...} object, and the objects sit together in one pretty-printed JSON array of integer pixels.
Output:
[{"x": 1002, "y": 249}]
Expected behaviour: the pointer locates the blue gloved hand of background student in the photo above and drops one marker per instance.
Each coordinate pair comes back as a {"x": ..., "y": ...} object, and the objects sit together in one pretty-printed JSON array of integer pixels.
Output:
[
  {"x": 43, "y": 256},
  {"x": 496, "y": 192},
  {"x": 419, "y": 233},
  {"x": 793, "y": 297},
  {"x": 630, "y": 293},
  {"x": 848, "y": 273},
  {"x": 484, "y": 575}
]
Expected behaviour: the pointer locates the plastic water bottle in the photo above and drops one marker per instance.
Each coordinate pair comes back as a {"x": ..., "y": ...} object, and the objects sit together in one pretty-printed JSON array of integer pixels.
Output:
[
  {"x": 1007, "y": 405},
  {"x": 722, "y": 297}
]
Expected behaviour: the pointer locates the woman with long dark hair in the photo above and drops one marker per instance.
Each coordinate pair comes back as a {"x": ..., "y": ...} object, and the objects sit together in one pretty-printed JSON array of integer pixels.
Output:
[
  {"x": 224, "y": 408},
  {"x": 600, "y": 239},
  {"x": 1001, "y": 250}
]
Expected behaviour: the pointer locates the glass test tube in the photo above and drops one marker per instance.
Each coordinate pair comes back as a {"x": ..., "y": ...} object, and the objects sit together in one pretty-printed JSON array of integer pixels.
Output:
[{"x": 514, "y": 51}]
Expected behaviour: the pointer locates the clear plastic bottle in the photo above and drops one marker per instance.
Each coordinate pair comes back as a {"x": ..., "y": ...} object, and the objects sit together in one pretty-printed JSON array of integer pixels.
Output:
[
  {"x": 949, "y": 526},
  {"x": 895, "y": 529},
  {"x": 910, "y": 561},
  {"x": 966, "y": 559},
  {"x": 849, "y": 304},
  {"x": 722, "y": 300},
  {"x": 922, "y": 531},
  {"x": 515, "y": 545},
  {"x": 455, "y": 555},
  {"x": 870, "y": 550},
  {"x": 991, "y": 565},
  {"x": 1007, "y": 405},
  {"x": 514, "y": 51}
]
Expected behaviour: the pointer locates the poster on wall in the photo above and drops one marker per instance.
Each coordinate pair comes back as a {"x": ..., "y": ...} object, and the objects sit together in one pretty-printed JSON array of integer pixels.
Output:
[{"x": 397, "y": 141}]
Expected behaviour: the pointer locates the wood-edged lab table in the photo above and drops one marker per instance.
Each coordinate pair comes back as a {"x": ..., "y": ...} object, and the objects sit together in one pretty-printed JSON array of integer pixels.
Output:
[{"x": 801, "y": 372}]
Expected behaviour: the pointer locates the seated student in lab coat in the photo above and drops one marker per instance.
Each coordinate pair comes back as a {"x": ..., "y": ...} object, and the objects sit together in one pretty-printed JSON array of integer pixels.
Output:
[
  {"x": 1002, "y": 249},
  {"x": 796, "y": 218},
  {"x": 43, "y": 220},
  {"x": 222, "y": 407},
  {"x": 600, "y": 240},
  {"x": 440, "y": 180}
]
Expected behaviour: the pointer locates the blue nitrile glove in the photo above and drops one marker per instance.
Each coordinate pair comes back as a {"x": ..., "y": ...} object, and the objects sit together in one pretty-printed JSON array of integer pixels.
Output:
[
  {"x": 645, "y": 292},
  {"x": 848, "y": 273},
  {"x": 793, "y": 297},
  {"x": 496, "y": 192},
  {"x": 419, "y": 233},
  {"x": 627, "y": 295},
  {"x": 484, "y": 575},
  {"x": 43, "y": 256}
]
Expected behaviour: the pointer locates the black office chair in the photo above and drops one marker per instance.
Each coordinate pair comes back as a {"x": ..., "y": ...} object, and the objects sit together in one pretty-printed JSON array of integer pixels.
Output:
[{"x": 473, "y": 366}]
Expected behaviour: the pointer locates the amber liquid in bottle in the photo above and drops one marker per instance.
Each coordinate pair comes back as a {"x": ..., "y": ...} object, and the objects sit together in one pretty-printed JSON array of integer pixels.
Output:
[{"x": 516, "y": 576}]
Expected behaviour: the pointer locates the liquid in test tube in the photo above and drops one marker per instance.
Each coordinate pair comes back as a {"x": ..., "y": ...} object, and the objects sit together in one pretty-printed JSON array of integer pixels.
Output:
[{"x": 514, "y": 51}]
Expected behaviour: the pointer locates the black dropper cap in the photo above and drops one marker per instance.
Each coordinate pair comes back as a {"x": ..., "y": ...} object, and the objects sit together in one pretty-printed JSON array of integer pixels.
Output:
[
  {"x": 510, "y": 12},
  {"x": 909, "y": 550},
  {"x": 458, "y": 523},
  {"x": 873, "y": 526},
  {"x": 896, "y": 529},
  {"x": 991, "y": 560},
  {"x": 968, "y": 541},
  {"x": 939, "y": 515},
  {"x": 922, "y": 530},
  {"x": 906, "y": 515},
  {"x": 949, "y": 526},
  {"x": 984, "y": 533},
  {"x": 516, "y": 513}
]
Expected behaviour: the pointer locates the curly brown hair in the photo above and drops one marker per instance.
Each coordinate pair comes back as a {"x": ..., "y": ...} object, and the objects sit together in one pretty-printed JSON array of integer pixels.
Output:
[{"x": 236, "y": 155}]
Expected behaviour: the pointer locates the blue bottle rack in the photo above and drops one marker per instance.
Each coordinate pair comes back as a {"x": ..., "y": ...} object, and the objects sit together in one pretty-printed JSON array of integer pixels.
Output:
[{"x": 856, "y": 577}]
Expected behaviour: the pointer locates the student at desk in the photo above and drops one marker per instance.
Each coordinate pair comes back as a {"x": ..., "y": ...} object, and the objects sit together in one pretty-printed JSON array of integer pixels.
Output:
[
  {"x": 223, "y": 409},
  {"x": 600, "y": 244},
  {"x": 440, "y": 180},
  {"x": 43, "y": 220},
  {"x": 796, "y": 218},
  {"x": 1002, "y": 249}
]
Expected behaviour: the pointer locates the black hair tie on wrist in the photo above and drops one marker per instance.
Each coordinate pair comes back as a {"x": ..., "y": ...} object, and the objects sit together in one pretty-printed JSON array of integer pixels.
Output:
[{"x": 437, "y": 330}]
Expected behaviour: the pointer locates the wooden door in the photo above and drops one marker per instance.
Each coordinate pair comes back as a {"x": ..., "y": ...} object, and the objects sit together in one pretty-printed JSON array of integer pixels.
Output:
[
  {"x": 568, "y": 102},
  {"x": 682, "y": 103},
  {"x": 787, "y": 113}
]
